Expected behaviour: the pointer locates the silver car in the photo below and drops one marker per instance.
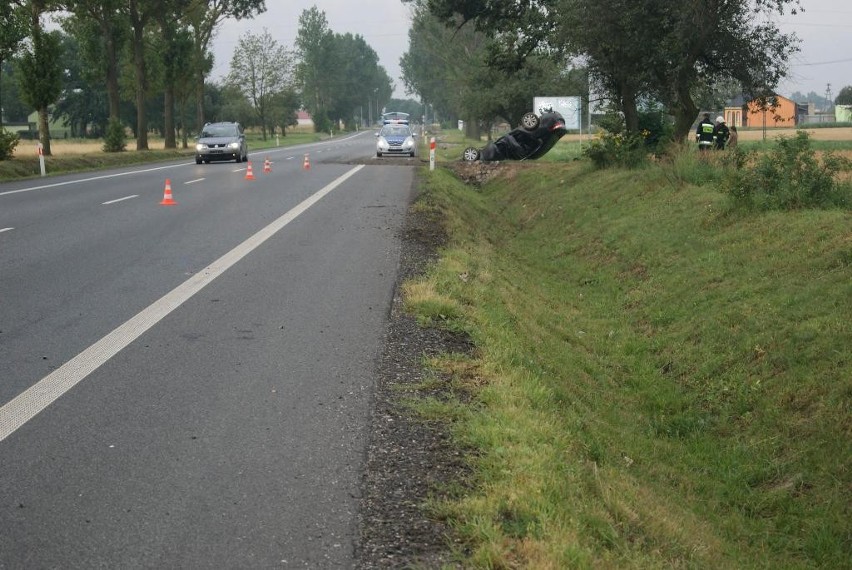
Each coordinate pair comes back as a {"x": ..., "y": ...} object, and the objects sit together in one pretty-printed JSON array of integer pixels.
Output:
[{"x": 221, "y": 141}]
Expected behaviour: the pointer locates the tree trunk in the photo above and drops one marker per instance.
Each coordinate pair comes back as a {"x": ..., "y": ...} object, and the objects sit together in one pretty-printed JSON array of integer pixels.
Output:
[
  {"x": 630, "y": 110},
  {"x": 141, "y": 88},
  {"x": 471, "y": 128},
  {"x": 112, "y": 74},
  {"x": 44, "y": 130},
  {"x": 685, "y": 112},
  {"x": 169, "y": 117}
]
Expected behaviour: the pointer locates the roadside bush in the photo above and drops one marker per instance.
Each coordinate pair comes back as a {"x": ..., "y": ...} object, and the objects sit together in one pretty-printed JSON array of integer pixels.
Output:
[
  {"x": 656, "y": 128},
  {"x": 790, "y": 176},
  {"x": 682, "y": 165},
  {"x": 616, "y": 149},
  {"x": 8, "y": 142},
  {"x": 115, "y": 139}
]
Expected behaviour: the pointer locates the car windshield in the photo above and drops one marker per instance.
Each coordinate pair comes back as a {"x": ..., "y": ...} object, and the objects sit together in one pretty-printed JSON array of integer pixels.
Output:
[
  {"x": 219, "y": 131},
  {"x": 395, "y": 131}
]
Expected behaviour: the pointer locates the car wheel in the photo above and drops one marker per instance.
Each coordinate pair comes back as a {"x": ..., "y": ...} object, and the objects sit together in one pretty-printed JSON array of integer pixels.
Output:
[
  {"x": 530, "y": 121},
  {"x": 239, "y": 158},
  {"x": 197, "y": 161},
  {"x": 206, "y": 162},
  {"x": 378, "y": 154},
  {"x": 470, "y": 154},
  {"x": 411, "y": 154}
]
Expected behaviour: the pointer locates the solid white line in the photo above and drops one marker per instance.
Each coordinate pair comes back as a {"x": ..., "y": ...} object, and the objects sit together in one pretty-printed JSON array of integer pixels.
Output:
[
  {"x": 68, "y": 182},
  {"x": 6, "y": 230},
  {"x": 119, "y": 200},
  {"x": 43, "y": 393},
  {"x": 194, "y": 181}
]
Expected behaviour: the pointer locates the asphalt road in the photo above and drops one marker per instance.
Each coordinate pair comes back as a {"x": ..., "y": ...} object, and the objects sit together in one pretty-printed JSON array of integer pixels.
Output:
[{"x": 189, "y": 386}]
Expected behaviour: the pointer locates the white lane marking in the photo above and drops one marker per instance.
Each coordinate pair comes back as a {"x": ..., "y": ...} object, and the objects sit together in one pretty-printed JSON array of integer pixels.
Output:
[
  {"x": 103, "y": 177},
  {"x": 43, "y": 393},
  {"x": 194, "y": 181},
  {"x": 6, "y": 230},
  {"x": 119, "y": 200}
]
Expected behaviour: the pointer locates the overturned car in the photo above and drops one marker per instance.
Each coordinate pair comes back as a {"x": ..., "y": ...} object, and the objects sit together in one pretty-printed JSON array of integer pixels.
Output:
[{"x": 536, "y": 136}]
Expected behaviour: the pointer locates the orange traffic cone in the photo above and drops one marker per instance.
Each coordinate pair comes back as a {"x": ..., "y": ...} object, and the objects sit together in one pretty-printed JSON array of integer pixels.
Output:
[
  {"x": 249, "y": 173},
  {"x": 267, "y": 166},
  {"x": 167, "y": 195},
  {"x": 307, "y": 164}
]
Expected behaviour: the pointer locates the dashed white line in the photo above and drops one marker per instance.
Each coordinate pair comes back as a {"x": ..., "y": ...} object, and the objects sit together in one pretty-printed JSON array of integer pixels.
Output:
[
  {"x": 119, "y": 200},
  {"x": 194, "y": 181},
  {"x": 43, "y": 393},
  {"x": 6, "y": 230}
]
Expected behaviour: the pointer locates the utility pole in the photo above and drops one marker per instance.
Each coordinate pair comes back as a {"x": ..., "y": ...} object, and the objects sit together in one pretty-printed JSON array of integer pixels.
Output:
[{"x": 829, "y": 101}]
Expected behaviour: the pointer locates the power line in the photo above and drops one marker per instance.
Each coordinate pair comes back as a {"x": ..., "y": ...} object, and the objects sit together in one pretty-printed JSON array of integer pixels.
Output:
[{"x": 821, "y": 62}]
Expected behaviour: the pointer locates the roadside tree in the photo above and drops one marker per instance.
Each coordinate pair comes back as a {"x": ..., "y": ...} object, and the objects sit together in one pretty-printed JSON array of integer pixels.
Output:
[
  {"x": 260, "y": 69},
  {"x": 39, "y": 69},
  {"x": 203, "y": 17},
  {"x": 640, "y": 49}
]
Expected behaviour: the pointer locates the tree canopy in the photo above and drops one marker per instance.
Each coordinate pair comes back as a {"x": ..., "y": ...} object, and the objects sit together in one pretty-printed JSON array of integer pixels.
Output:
[
  {"x": 261, "y": 70},
  {"x": 640, "y": 49},
  {"x": 336, "y": 73}
]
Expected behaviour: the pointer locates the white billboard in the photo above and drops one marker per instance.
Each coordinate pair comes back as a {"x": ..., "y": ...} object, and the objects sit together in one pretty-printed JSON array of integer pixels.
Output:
[{"x": 568, "y": 107}]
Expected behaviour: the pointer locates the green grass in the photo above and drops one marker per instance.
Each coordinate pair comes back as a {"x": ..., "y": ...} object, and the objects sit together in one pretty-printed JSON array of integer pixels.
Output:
[
  {"x": 663, "y": 382},
  {"x": 27, "y": 165}
]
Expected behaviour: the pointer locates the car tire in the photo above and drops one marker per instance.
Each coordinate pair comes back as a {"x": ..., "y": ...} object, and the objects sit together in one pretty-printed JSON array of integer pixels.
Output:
[
  {"x": 239, "y": 159},
  {"x": 378, "y": 154},
  {"x": 206, "y": 162},
  {"x": 530, "y": 121},
  {"x": 470, "y": 154},
  {"x": 411, "y": 154},
  {"x": 197, "y": 161}
]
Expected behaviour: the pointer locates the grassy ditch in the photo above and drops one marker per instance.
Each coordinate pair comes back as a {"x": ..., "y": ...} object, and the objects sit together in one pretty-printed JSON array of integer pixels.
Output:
[{"x": 661, "y": 381}]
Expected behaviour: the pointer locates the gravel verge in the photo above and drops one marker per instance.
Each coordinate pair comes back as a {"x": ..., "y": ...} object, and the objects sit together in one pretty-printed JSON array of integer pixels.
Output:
[{"x": 409, "y": 460}]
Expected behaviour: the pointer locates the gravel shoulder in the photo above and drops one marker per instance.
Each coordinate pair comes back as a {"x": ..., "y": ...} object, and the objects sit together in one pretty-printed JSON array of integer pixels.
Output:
[{"x": 408, "y": 459}]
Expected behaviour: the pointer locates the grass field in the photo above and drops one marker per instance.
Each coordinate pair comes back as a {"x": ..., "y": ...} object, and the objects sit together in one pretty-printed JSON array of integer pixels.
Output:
[{"x": 661, "y": 381}]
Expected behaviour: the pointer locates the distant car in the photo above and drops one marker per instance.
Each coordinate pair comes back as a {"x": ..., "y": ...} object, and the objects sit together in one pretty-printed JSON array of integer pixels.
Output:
[
  {"x": 221, "y": 141},
  {"x": 395, "y": 118},
  {"x": 395, "y": 139},
  {"x": 536, "y": 136}
]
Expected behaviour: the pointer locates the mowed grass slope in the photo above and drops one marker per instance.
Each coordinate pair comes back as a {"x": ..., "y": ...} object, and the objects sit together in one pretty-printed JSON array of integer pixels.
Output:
[{"x": 660, "y": 382}]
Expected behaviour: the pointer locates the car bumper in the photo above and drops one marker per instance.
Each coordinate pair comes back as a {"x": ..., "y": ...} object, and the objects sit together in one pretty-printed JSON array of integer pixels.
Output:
[{"x": 217, "y": 155}]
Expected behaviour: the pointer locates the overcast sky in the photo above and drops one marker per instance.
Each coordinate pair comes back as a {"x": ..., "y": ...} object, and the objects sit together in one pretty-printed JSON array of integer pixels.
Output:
[
  {"x": 382, "y": 23},
  {"x": 825, "y": 29}
]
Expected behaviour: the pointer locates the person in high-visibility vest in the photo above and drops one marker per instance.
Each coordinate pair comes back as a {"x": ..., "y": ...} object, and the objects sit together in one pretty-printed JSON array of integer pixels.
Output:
[{"x": 704, "y": 133}]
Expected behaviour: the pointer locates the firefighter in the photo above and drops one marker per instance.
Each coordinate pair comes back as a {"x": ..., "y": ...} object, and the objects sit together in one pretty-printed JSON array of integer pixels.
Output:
[
  {"x": 721, "y": 133},
  {"x": 704, "y": 133}
]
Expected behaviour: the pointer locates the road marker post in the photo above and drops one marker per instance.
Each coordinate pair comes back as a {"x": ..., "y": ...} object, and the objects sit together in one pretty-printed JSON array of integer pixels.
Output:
[
  {"x": 40, "y": 150},
  {"x": 432, "y": 153}
]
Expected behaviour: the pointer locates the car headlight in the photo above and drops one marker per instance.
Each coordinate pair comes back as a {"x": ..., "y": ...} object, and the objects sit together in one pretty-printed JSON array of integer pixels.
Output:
[
  {"x": 234, "y": 145},
  {"x": 409, "y": 142},
  {"x": 383, "y": 142},
  {"x": 200, "y": 146}
]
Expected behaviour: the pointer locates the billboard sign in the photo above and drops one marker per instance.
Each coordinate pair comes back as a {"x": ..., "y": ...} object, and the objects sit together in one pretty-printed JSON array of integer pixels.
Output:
[{"x": 568, "y": 107}]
